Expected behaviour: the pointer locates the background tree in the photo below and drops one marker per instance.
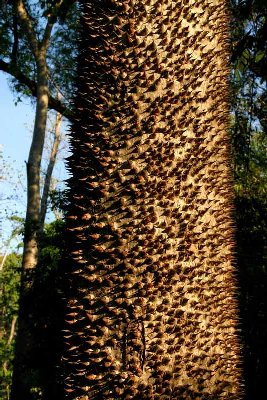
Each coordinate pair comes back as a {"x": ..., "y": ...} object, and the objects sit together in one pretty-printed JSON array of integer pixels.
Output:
[
  {"x": 55, "y": 142},
  {"x": 10, "y": 270},
  {"x": 9, "y": 294},
  {"x": 34, "y": 35}
]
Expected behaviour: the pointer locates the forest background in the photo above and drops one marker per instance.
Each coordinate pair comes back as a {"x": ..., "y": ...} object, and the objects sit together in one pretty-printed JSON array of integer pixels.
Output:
[{"x": 25, "y": 27}]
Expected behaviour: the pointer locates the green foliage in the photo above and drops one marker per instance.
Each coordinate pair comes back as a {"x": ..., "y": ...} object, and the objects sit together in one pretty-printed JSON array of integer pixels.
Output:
[
  {"x": 15, "y": 48},
  {"x": 43, "y": 306},
  {"x": 9, "y": 295},
  {"x": 249, "y": 139},
  {"x": 51, "y": 250},
  {"x": 58, "y": 200}
]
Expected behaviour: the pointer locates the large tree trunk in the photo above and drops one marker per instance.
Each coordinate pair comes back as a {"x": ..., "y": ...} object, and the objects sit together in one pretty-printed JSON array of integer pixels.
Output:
[
  {"x": 26, "y": 341},
  {"x": 151, "y": 284}
]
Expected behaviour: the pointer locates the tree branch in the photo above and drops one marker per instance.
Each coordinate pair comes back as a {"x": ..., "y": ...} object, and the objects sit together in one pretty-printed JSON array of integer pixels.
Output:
[
  {"x": 54, "y": 104},
  {"x": 15, "y": 33},
  {"x": 10, "y": 338},
  {"x": 61, "y": 9},
  {"x": 49, "y": 170},
  {"x": 12, "y": 330},
  {"x": 246, "y": 41},
  {"x": 27, "y": 24},
  {"x": 46, "y": 36}
]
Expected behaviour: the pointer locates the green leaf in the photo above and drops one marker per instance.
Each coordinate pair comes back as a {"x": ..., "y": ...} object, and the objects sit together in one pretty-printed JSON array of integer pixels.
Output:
[{"x": 259, "y": 56}]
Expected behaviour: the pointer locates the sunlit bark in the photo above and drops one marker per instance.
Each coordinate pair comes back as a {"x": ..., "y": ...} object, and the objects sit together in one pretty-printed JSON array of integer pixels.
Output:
[{"x": 151, "y": 286}]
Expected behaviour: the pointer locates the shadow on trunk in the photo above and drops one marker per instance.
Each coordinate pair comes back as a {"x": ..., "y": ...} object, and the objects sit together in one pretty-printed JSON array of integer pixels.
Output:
[{"x": 251, "y": 217}]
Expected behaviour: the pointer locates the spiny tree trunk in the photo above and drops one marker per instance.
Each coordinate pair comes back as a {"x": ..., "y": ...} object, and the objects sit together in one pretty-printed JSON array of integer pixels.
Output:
[{"x": 152, "y": 312}]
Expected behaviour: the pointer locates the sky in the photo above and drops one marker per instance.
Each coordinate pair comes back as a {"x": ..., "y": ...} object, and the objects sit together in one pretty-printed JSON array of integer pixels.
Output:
[
  {"x": 14, "y": 134},
  {"x": 16, "y": 123},
  {"x": 14, "y": 142}
]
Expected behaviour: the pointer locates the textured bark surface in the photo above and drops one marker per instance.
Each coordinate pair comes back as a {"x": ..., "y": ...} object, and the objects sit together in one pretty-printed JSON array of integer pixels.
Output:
[{"x": 151, "y": 299}]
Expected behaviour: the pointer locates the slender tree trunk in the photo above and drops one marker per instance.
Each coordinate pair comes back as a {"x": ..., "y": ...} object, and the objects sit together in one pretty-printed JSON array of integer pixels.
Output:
[
  {"x": 33, "y": 213},
  {"x": 26, "y": 341},
  {"x": 4, "y": 259},
  {"x": 50, "y": 168},
  {"x": 11, "y": 337},
  {"x": 151, "y": 289},
  {"x": 26, "y": 375},
  {"x": 2, "y": 264}
]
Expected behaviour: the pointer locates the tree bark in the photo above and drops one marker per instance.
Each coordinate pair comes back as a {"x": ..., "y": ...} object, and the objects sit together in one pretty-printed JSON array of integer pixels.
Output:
[
  {"x": 151, "y": 310},
  {"x": 32, "y": 222}
]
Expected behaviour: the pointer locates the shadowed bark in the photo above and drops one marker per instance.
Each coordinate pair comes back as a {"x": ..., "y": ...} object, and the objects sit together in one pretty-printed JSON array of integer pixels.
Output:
[{"x": 150, "y": 285}]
